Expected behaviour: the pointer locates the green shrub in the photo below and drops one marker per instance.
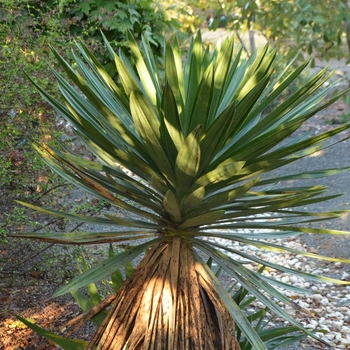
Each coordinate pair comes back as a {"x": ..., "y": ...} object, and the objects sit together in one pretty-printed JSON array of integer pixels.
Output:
[
  {"x": 140, "y": 17},
  {"x": 24, "y": 116}
]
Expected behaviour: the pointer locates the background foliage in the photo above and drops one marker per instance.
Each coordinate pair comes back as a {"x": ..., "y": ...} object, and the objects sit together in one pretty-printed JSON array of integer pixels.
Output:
[
  {"x": 312, "y": 27},
  {"x": 24, "y": 117},
  {"x": 141, "y": 17}
]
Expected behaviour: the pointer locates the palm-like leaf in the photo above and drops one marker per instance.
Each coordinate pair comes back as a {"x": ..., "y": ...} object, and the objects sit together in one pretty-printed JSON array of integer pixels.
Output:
[{"x": 198, "y": 148}]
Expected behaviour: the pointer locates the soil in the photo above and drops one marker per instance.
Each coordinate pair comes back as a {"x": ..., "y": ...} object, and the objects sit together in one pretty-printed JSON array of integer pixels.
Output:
[
  {"x": 33, "y": 303},
  {"x": 26, "y": 289}
]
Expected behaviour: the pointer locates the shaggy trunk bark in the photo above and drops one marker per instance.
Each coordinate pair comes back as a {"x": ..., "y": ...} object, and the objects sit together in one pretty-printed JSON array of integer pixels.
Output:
[{"x": 168, "y": 304}]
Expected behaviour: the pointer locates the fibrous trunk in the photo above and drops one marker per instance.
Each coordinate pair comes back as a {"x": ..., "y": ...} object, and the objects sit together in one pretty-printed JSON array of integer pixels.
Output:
[{"x": 167, "y": 304}]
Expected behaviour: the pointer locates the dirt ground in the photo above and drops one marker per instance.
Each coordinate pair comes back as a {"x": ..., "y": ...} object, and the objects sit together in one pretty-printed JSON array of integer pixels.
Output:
[
  {"x": 26, "y": 290},
  {"x": 32, "y": 302}
]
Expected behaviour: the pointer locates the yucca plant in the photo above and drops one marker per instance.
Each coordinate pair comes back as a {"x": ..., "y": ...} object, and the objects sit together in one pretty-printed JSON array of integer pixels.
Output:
[{"x": 187, "y": 153}]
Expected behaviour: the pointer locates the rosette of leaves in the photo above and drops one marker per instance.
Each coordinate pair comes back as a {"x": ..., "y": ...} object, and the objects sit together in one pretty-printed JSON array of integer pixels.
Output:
[{"x": 186, "y": 155}]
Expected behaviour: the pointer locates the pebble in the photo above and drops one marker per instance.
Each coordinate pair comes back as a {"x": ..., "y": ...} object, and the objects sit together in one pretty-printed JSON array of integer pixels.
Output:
[{"x": 324, "y": 302}]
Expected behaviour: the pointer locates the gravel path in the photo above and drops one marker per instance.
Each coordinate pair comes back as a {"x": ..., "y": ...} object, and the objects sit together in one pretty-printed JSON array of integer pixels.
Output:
[{"x": 329, "y": 309}]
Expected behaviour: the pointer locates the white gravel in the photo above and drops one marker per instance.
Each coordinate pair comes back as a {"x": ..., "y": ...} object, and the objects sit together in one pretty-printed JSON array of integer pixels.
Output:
[{"x": 326, "y": 311}]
